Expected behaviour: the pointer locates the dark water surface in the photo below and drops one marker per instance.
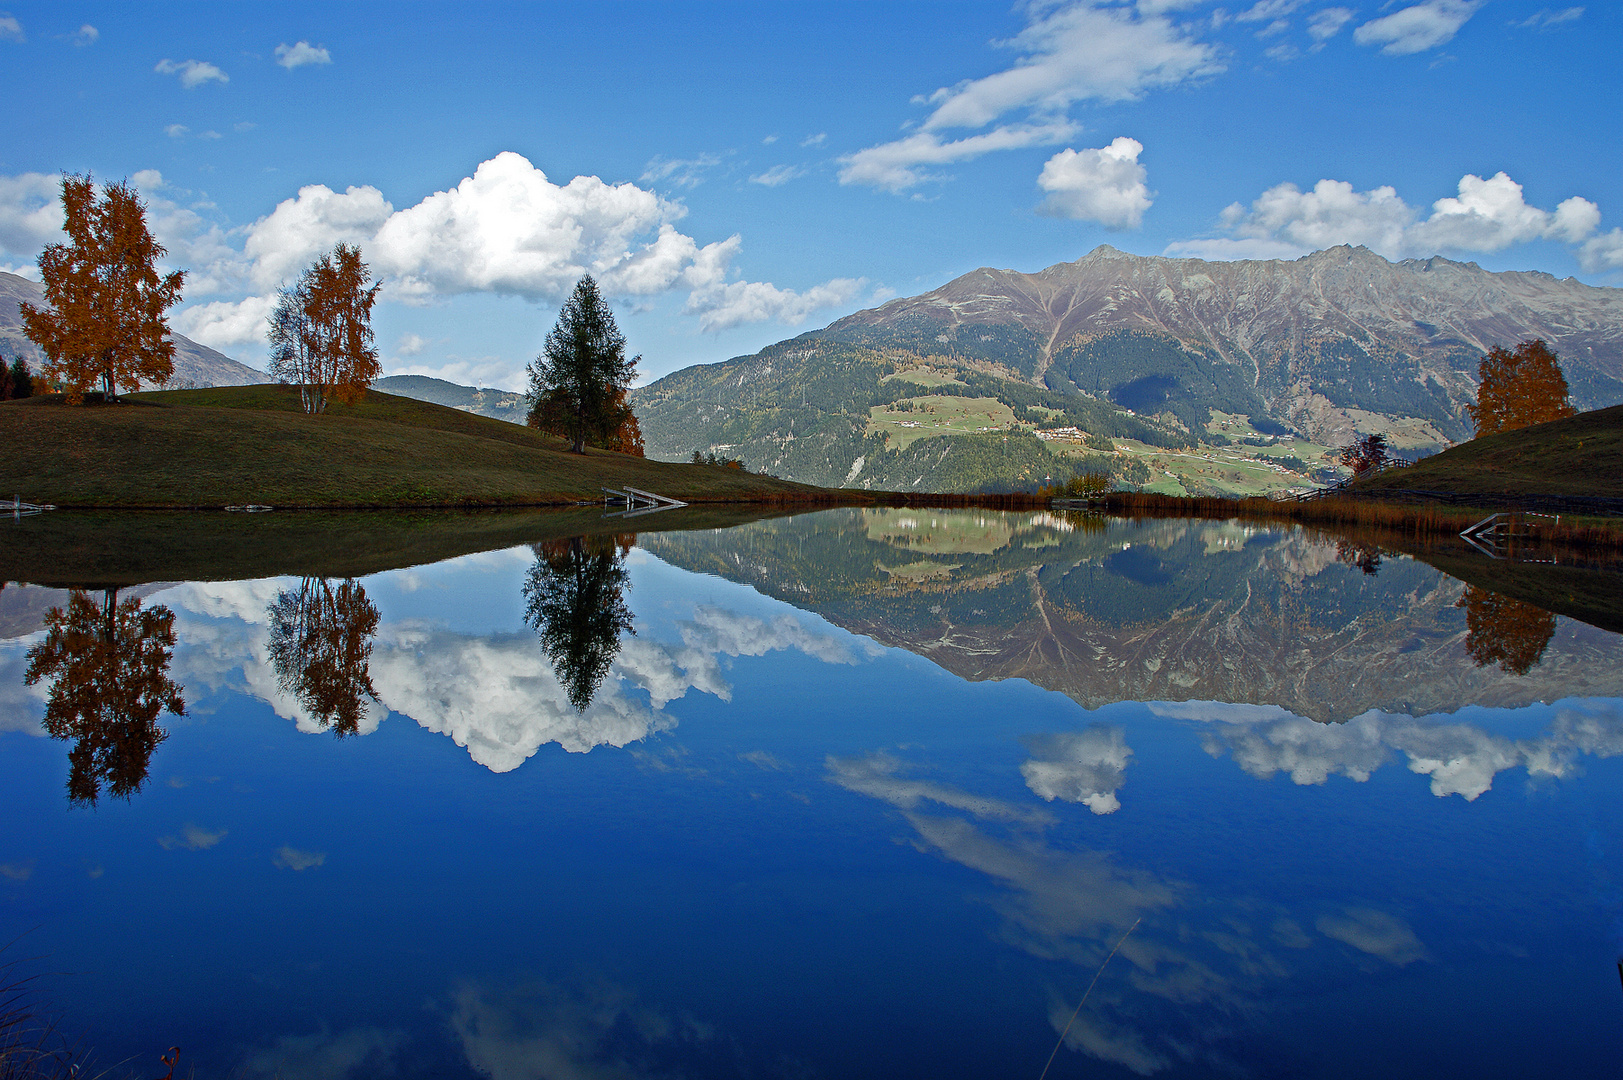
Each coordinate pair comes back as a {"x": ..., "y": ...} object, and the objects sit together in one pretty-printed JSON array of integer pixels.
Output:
[{"x": 856, "y": 793}]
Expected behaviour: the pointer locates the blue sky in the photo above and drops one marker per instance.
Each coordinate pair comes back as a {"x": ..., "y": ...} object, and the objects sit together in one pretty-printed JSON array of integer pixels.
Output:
[{"x": 737, "y": 173}]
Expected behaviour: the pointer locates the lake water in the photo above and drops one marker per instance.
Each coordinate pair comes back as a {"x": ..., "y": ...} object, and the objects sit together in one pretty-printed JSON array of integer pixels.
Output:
[{"x": 846, "y": 794}]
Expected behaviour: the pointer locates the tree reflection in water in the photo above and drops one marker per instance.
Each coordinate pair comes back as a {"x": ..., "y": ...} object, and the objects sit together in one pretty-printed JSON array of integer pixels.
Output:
[
  {"x": 573, "y": 599},
  {"x": 1366, "y": 557},
  {"x": 321, "y": 646},
  {"x": 109, "y": 671},
  {"x": 1505, "y": 631}
]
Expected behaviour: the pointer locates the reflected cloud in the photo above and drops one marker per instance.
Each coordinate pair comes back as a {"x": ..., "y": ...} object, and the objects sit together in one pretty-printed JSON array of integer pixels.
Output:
[
  {"x": 291, "y": 858},
  {"x": 496, "y": 695},
  {"x": 875, "y": 775},
  {"x": 322, "y": 1056},
  {"x": 1461, "y": 759},
  {"x": 1082, "y": 767},
  {"x": 543, "y": 1031},
  {"x": 192, "y": 838},
  {"x": 1376, "y": 933}
]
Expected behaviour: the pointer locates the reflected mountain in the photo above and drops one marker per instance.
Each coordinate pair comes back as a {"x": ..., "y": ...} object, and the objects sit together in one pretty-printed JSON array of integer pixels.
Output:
[
  {"x": 320, "y": 646},
  {"x": 574, "y": 599},
  {"x": 1108, "y": 610},
  {"x": 108, "y": 668}
]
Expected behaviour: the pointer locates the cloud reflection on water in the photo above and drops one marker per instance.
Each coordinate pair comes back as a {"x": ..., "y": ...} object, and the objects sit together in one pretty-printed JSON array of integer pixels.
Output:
[{"x": 1460, "y": 758}]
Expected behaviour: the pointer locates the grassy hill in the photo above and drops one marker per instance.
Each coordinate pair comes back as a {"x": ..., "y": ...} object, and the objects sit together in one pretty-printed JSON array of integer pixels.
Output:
[
  {"x": 254, "y": 444},
  {"x": 1581, "y": 455}
]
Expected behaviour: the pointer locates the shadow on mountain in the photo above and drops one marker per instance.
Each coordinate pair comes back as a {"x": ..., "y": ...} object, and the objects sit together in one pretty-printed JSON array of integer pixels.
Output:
[
  {"x": 321, "y": 649},
  {"x": 574, "y": 599},
  {"x": 108, "y": 669}
]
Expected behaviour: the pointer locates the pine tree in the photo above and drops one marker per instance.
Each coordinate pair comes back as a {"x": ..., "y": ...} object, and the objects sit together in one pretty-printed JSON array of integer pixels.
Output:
[
  {"x": 107, "y": 302},
  {"x": 1519, "y": 389},
  {"x": 578, "y": 384}
]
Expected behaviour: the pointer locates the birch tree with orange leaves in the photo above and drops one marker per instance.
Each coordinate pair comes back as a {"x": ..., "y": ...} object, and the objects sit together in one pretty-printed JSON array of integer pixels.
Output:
[
  {"x": 1519, "y": 389},
  {"x": 106, "y": 317},
  {"x": 321, "y": 331}
]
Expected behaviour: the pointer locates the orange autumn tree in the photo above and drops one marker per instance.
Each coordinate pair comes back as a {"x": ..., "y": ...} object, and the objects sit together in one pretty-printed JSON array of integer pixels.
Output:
[
  {"x": 321, "y": 331},
  {"x": 1519, "y": 389},
  {"x": 106, "y": 317}
]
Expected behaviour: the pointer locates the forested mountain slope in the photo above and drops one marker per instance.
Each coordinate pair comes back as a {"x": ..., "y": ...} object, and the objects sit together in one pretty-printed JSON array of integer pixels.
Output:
[{"x": 1162, "y": 352}]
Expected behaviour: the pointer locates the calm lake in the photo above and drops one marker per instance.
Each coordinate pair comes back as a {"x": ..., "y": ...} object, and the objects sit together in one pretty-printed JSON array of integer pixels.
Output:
[{"x": 856, "y": 793}]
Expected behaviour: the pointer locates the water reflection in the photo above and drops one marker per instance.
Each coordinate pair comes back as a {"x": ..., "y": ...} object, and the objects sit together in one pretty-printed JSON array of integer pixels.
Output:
[
  {"x": 321, "y": 646},
  {"x": 574, "y": 599},
  {"x": 1503, "y": 631},
  {"x": 108, "y": 668}
]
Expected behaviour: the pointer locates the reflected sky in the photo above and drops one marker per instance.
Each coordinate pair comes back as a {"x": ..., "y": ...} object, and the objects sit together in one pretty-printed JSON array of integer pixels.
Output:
[{"x": 774, "y": 846}]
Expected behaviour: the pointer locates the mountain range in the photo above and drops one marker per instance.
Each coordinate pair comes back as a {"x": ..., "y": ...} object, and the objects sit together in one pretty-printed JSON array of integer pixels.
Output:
[
  {"x": 195, "y": 365},
  {"x": 485, "y": 401},
  {"x": 1166, "y": 352}
]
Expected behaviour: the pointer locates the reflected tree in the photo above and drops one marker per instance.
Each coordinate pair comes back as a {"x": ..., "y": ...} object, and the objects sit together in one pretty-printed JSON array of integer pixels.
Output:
[
  {"x": 1503, "y": 631},
  {"x": 321, "y": 648},
  {"x": 574, "y": 600},
  {"x": 1366, "y": 557},
  {"x": 108, "y": 666}
]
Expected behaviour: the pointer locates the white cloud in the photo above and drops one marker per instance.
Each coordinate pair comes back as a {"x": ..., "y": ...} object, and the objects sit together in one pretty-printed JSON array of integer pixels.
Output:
[
  {"x": 778, "y": 175},
  {"x": 11, "y": 29},
  {"x": 1376, "y": 933},
  {"x": 86, "y": 35},
  {"x": 815, "y": 140},
  {"x": 193, "y": 73},
  {"x": 769, "y": 140},
  {"x": 1082, "y": 767},
  {"x": 1326, "y": 24},
  {"x": 1603, "y": 252},
  {"x": 30, "y": 213},
  {"x": 177, "y": 131},
  {"x": 894, "y": 166},
  {"x": 1077, "y": 53},
  {"x": 293, "y": 56},
  {"x": 1268, "y": 10},
  {"x": 1545, "y": 18},
  {"x": 1487, "y": 215},
  {"x": 1418, "y": 28},
  {"x": 680, "y": 172},
  {"x": 1104, "y": 185},
  {"x": 284, "y": 242},
  {"x": 875, "y": 775},
  {"x": 735, "y": 303},
  {"x": 222, "y": 323},
  {"x": 410, "y": 344},
  {"x": 325, "y": 1056}
]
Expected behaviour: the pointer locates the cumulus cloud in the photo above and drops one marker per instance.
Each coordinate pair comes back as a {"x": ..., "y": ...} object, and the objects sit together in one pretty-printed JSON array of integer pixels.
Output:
[
  {"x": 193, "y": 73},
  {"x": 778, "y": 175},
  {"x": 410, "y": 344},
  {"x": 11, "y": 29},
  {"x": 1082, "y": 767},
  {"x": 1326, "y": 24},
  {"x": 220, "y": 324},
  {"x": 1376, "y": 933},
  {"x": 1104, "y": 185},
  {"x": 1418, "y": 28},
  {"x": 294, "y": 56},
  {"x": 1487, "y": 215},
  {"x": 1603, "y": 252},
  {"x": 192, "y": 838},
  {"x": 897, "y": 166}
]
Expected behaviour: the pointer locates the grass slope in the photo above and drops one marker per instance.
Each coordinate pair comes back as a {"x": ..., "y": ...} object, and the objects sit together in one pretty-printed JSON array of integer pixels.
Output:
[
  {"x": 254, "y": 444},
  {"x": 1581, "y": 455}
]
